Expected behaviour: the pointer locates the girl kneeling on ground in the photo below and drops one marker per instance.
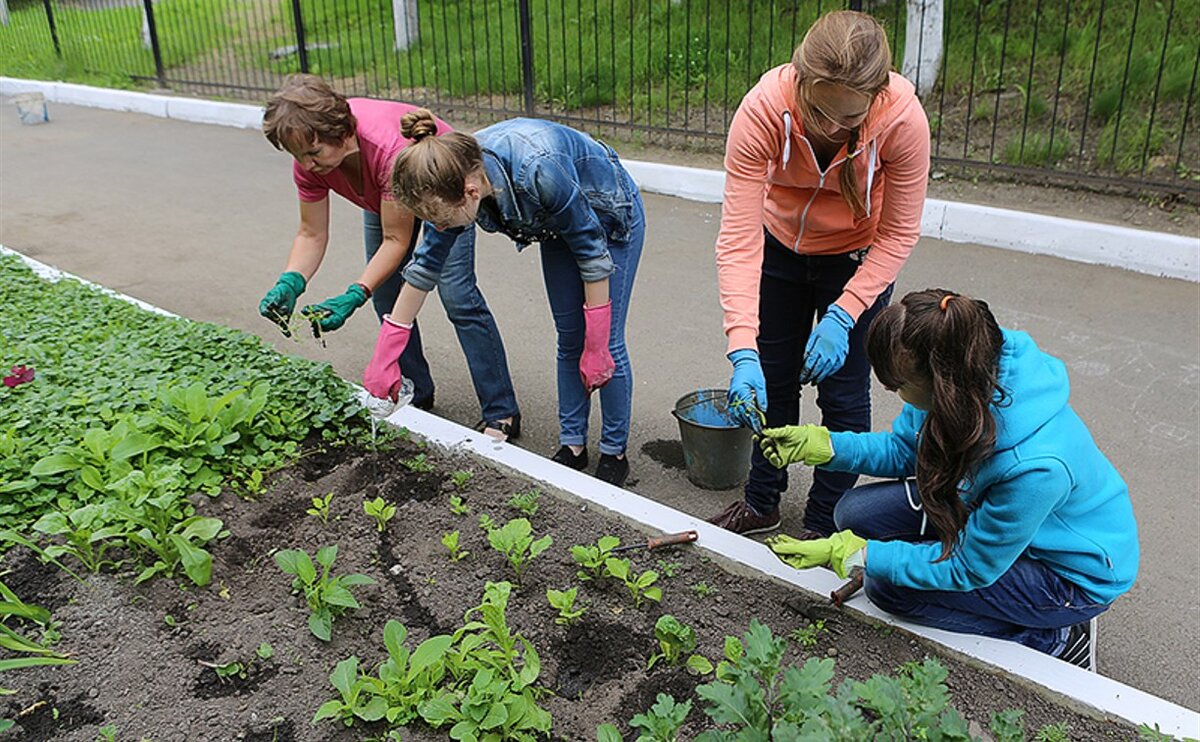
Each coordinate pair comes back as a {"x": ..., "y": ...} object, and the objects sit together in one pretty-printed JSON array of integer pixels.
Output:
[
  {"x": 1016, "y": 527},
  {"x": 535, "y": 181}
]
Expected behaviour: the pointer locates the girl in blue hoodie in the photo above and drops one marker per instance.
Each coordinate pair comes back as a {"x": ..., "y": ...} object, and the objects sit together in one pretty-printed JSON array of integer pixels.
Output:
[{"x": 1016, "y": 525}]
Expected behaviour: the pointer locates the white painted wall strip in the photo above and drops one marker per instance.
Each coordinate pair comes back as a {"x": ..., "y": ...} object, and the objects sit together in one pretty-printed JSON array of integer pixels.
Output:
[
  {"x": 1090, "y": 689},
  {"x": 1156, "y": 253}
]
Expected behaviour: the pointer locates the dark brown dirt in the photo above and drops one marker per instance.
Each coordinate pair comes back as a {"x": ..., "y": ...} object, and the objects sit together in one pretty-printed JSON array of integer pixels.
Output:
[{"x": 146, "y": 677}]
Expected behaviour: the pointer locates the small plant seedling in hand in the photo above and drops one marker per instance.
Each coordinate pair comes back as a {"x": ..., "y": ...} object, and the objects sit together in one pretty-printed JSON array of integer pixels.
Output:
[
  {"x": 320, "y": 508},
  {"x": 458, "y": 506},
  {"x": 327, "y": 597},
  {"x": 381, "y": 511},
  {"x": 526, "y": 502},
  {"x": 592, "y": 558},
  {"x": 450, "y": 541},
  {"x": 703, "y": 590},
  {"x": 669, "y": 569},
  {"x": 460, "y": 479},
  {"x": 641, "y": 587},
  {"x": 515, "y": 541},
  {"x": 419, "y": 464},
  {"x": 806, "y": 636},
  {"x": 564, "y": 602}
]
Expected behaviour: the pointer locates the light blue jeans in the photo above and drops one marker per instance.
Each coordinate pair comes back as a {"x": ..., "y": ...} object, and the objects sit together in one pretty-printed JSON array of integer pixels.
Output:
[
  {"x": 468, "y": 312},
  {"x": 564, "y": 288}
]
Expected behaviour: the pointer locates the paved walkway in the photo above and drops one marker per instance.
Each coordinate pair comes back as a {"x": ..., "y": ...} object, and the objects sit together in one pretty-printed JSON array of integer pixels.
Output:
[{"x": 198, "y": 220}]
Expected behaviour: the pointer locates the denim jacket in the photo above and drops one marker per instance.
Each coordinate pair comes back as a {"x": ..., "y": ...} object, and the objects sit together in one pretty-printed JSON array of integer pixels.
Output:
[{"x": 549, "y": 182}]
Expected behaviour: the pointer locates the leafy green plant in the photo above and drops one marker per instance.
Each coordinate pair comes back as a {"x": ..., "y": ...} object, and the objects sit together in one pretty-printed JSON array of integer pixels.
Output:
[
  {"x": 406, "y": 680},
  {"x": 806, "y": 636},
  {"x": 354, "y": 702},
  {"x": 526, "y": 502},
  {"x": 107, "y": 733},
  {"x": 460, "y": 479},
  {"x": 669, "y": 569},
  {"x": 1007, "y": 726},
  {"x": 564, "y": 602},
  {"x": 591, "y": 559},
  {"x": 419, "y": 464},
  {"x": 29, "y": 653},
  {"x": 381, "y": 511},
  {"x": 677, "y": 640},
  {"x": 641, "y": 586},
  {"x": 320, "y": 508},
  {"x": 1059, "y": 732},
  {"x": 450, "y": 541},
  {"x": 662, "y": 722},
  {"x": 703, "y": 590},
  {"x": 327, "y": 597},
  {"x": 87, "y": 533},
  {"x": 515, "y": 541},
  {"x": 458, "y": 506}
]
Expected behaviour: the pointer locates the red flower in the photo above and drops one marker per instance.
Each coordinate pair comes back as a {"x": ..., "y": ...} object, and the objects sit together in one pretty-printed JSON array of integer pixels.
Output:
[{"x": 19, "y": 375}]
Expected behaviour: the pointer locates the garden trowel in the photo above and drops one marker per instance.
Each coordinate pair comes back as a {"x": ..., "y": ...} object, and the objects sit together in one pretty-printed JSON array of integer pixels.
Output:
[{"x": 670, "y": 539}]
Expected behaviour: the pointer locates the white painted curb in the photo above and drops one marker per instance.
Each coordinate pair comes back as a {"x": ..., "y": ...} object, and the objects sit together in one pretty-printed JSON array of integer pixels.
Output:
[
  {"x": 1155, "y": 253},
  {"x": 1103, "y": 694}
]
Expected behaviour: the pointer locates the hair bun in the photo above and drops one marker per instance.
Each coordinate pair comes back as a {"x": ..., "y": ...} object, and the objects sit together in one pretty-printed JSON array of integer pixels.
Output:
[{"x": 418, "y": 124}]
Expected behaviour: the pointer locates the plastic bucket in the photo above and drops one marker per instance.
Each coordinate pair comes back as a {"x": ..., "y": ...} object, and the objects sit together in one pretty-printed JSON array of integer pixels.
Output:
[
  {"x": 716, "y": 449},
  {"x": 31, "y": 107}
]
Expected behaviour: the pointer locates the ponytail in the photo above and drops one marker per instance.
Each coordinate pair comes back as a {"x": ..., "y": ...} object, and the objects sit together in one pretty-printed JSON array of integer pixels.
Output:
[{"x": 433, "y": 166}]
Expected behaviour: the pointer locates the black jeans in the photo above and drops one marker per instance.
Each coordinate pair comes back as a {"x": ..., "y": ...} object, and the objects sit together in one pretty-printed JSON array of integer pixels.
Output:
[{"x": 795, "y": 292}]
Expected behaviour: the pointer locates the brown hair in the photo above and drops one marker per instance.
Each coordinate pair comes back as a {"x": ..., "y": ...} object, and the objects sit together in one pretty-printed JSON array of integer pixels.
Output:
[
  {"x": 953, "y": 345},
  {"x": 848, "y": 49},
  {"x": 433, "y": 166},
  {"x": 304, "y": 109}
]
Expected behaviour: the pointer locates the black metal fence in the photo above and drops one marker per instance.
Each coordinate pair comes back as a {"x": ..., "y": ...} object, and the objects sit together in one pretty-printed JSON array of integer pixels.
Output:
[{"x": 1098, "y": 92}]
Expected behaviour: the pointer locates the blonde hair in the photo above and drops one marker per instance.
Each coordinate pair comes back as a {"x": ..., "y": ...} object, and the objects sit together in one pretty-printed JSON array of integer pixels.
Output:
[
  {"x": 305, "y": 109},
  {"x": 433, "y": 166},
  {"x": 848, "y": 49}
]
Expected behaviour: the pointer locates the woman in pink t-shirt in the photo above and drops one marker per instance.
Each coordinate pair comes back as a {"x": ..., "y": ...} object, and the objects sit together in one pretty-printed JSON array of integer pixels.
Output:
[{"x": 347, "y": 146}]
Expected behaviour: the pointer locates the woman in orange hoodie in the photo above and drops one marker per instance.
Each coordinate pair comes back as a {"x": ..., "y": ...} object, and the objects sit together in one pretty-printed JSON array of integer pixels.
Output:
[{"x": 826, "y": 166}]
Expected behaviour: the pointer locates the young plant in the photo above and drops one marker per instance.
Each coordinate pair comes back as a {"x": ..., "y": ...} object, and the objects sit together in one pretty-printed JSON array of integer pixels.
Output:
[
  {"x": 88, "y": 532},
  {"x": 592, "y": 558},
  {"x": 320, "y": 508},
  {"x": 806, "y": 636},
  {"x": 515, "y": 541},
  {"x": 703, "y": 590},
  {"x": 29, "y": 653},
  {"x": 662, "y": 722},
  {"x": 486, "y": 523},
  {"x": 419, "y": 464},
  {"x": 641, "y": 587},
  {"x": 460, "y": 479},
  {"x": 678, "y": 640},
  {"x": 669, "y": 569},
  {"x": 458, "y": 506},
  {"x": 355, "y": 702},
  {"x": 450, "y": 541},
  {"x": 327, "y": 597},
  {"x": 564, "y": 602},
  {"x": 526, "y": 502},
  {"x": 381, "y": 511},
  {"x": 107, "y": 733},
  {"x": 1059, "y": 732}
]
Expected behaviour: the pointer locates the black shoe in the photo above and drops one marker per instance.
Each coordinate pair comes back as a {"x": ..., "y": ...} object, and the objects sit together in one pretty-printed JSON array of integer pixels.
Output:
[
  {"x": 425, "y": 403},
  {"x": 511, "y": 431},
  {"x": 566, "y": 457},
  {"x": 612, "y": 469},
  {"x": 1080, "y": 649}
]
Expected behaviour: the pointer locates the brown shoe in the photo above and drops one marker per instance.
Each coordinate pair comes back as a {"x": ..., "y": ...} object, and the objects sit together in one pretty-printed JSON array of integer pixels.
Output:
[{"x": 739, "y": 518}]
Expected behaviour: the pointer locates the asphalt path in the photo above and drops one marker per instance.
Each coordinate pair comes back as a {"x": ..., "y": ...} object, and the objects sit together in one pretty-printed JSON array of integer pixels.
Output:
[{"x": 198, "y": 220}]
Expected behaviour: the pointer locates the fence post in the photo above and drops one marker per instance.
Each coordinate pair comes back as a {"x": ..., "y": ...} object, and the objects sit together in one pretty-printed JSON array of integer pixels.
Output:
[
  {"x": 923, "y": 44},
  {"x": 301, "y": 49},
  {"x": 152, "y": 30},
  {"x": 405, "y": 23},
  {"x": 526, "y": 54},
  {"x": 3, "y": 12},
  {"x": 53, "y": 28}
]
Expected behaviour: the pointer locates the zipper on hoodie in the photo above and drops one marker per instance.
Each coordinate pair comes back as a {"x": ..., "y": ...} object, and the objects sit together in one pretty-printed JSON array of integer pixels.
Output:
[{"x": 820, "y": 183}]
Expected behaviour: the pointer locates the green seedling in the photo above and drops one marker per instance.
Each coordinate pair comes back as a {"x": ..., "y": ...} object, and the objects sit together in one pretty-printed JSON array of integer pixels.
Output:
[
  {"x": 381, "y": 511},
  {"x": 450, "y": 541},
  {"x": 564, "y": 602},
  {"x": 1060, "y": 732},
  {"x": 460, "y": 479},
  {"x": 641, "y": 587},
  {"x": 28, "y": 653},
  {"x": 355, "y": 701},
  {"x": 327, "y": 597},
  {"x": 265, "y": 651},
  {"x": 486, "y": 523},
  {"x": 458, "y": 506},
  {"x": 238, "y": 669},
  {"x": 171, "y": 621},
  {"x": 741, "y": 404},
  {"x": 88, "y": 532},
  {"x": 1008, "y": 726},
  {"x": 419, "y": 464},
  {"x": 515, "y": 541},
  {"x": 526, "y": 502},
  {"x": 591, "y": 559},
  {"x": 669, "y": 569},
  {"x": 320, "y": 508},
  {"x": 703, "y": 590},
  {"x": 806, "y": 636},
  {"x": 107, "y": 733},
  {"x": 662, "y": 722},
  {"x": 677, "y": 640}
]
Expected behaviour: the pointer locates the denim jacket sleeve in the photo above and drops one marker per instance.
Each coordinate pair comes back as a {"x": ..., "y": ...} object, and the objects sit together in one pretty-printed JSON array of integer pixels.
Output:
[
  {"x": 571, "y": 216},
  {"x": 430, "y": 254}
]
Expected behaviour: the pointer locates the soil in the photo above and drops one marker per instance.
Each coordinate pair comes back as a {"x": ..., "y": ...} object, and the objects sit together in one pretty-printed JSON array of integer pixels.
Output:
[{"x": 144, "y": 674}]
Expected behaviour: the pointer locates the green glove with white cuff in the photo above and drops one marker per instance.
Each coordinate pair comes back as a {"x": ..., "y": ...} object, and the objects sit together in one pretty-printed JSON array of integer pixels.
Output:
[
  {"x": 841, "y": 552},
  {"x": 333, "y": 312},
  {"x": 805, "y": 444}
]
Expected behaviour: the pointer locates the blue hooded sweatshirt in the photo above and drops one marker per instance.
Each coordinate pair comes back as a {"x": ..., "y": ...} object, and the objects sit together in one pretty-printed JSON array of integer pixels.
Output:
[{"x": 1047, "y": 492}]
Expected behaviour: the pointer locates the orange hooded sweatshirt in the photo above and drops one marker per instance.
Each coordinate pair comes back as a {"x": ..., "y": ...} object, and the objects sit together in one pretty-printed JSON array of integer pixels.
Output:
[{"x": 772, "y": 179}]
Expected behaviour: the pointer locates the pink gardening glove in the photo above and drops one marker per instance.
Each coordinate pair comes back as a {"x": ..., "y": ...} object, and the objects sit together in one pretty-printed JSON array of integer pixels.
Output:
[
  {"x": 596, "y": 364},
  {"x": 382, "y": 377}
]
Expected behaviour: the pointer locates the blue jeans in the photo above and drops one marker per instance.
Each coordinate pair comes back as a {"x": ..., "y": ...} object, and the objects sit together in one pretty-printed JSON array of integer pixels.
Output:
[
  {"x": 795, "y": 290},
  {"x": 468, "y": 312},
  {"x": 564, "y": 288},
  {"x": 1029, "y": 604}
]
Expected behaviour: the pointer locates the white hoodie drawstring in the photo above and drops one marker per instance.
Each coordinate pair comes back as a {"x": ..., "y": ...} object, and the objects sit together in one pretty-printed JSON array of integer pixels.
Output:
[
  {"x": 871, "y": 179},
  {"x": 915, "y": 505},
  {"x": 787, "y": 137}
]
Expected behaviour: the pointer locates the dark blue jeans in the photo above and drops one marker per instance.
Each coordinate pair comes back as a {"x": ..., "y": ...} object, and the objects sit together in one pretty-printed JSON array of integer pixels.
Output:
[
  {"x": 794, "y": 293},
  {"x": 1029, "y": 604},
  {"x": 468, "y": 312}
]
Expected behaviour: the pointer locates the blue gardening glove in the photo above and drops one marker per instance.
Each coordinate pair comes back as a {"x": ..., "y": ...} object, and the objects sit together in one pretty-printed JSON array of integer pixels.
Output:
[
  {"x": 280, "y": 301},
  {"x": 827, "y": 346},
  {"x": 333, "y": 313},
  {"x": 841, "y": 552},
  {"x": 747, "y": 389}
]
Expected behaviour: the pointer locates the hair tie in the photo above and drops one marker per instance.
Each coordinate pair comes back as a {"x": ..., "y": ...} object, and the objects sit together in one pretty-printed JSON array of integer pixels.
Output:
[{"x": 946, "y": 301}]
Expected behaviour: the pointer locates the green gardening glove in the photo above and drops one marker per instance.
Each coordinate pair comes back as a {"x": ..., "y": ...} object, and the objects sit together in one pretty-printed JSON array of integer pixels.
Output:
[
  {"x": 280, "y": 301},
  {"x": 333, "y": 313},
  {"x": 840, "y": 552},
  {"x": 806, "y": 444}
]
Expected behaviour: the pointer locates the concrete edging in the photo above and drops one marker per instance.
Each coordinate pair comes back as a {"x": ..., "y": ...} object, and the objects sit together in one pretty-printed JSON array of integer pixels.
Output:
[
  {"x": 1080, "y": 686},
  {"x": 1154, "y": 253}
]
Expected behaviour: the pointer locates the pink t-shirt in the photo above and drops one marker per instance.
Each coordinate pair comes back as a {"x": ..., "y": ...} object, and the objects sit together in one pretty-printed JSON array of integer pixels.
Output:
[{"x": 379, "y": 141}]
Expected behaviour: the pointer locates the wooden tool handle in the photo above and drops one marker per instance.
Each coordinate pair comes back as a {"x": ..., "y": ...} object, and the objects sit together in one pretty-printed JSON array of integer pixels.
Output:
[
  {"x": 670, "y": 539},
  {"x": 847, "y": 591}
]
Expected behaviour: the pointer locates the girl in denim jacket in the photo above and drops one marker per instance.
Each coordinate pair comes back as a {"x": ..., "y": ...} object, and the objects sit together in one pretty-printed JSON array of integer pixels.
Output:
[{"x": 535, "y": 181}]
